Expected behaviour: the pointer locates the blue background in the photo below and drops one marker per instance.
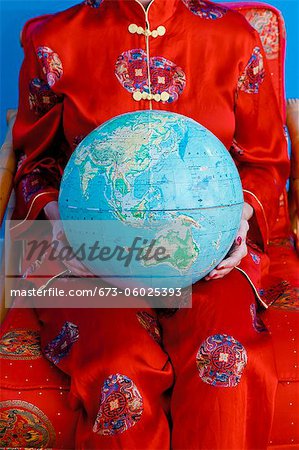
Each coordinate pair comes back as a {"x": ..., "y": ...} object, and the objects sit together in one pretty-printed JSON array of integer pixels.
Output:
[{"x": 14, "y": 14}]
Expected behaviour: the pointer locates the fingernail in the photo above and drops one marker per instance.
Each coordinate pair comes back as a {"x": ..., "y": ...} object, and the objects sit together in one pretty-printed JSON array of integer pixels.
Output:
[{"x": 239, "y": 240}]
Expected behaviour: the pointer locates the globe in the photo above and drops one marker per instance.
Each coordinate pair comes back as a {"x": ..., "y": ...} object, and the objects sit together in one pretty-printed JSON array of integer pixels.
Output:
[{"x": 152, "y": 198}]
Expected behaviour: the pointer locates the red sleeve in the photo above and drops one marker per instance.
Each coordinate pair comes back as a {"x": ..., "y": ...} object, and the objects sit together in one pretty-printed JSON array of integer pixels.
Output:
[
  {"x": 37, "y": 133},
  {"x": 260, "y": 146}
]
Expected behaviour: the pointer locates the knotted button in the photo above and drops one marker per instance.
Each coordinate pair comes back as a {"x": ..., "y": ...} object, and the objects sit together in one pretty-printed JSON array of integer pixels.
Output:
[
  {"x": 133, "y": 28},
  {"x": 161, "y": 30},
  {"x": 137, "y": 96},
  {"x": 164, "y": 96}
]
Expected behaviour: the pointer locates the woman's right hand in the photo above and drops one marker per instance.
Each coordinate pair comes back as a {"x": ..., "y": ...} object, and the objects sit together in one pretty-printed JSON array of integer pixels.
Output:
[{"x": 73, "y": 265}]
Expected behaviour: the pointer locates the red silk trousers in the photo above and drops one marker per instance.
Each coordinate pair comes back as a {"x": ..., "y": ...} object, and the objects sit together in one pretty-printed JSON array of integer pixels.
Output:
[{"x": 201, "y": 378}]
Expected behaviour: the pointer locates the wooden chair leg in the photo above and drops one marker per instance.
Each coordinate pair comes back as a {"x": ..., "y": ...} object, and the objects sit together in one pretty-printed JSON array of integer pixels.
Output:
[
  {"x": 7, "y": 172},
  {"x": 7, "y": 165}
]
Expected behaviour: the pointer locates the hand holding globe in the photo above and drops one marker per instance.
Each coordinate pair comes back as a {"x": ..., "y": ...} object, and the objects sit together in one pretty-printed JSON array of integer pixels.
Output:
[
  {"x": 158, "y": 175},
  {"x": 238, "y": 250}
]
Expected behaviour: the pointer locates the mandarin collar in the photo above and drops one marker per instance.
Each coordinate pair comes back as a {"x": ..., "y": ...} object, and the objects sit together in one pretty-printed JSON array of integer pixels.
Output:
[{"x": 158, "y": 11}]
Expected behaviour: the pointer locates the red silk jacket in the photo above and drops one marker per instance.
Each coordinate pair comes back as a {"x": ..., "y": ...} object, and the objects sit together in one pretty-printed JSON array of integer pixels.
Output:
[{"x": 99, "y": 59}]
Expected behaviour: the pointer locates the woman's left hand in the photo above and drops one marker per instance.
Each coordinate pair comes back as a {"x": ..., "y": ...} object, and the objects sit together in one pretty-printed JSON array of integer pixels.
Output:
[{"x": 238, "y": 249}]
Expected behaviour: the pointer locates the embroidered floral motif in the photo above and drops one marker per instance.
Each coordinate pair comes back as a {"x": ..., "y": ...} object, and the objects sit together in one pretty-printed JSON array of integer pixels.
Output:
[
  {"x": 255, "y": 258},
  {"x": 62, "y": 344},
  {"x": 205, "y": 10},
  {"x": 121, "y": 406},
  {"x": 221, "y": 360},
  {"x": 20, "y": 344},
  {"x": 281, "y": 296},
  {"x": 24, "y": 426},
  {"x": 253, "y": 74},
  {"x": 31, "y": 184},
  {"x": 257, "y": 322},
  {"x": 151, "y": 325},
  {"x": 51, "y": 63},
  {"x": 93, "y": 3},
  {"x": 266, "y": 24},
  {"x": 166, "y": 77},
  {"x": 131, "y": 72},
  {"x": 41, "y": 97}
]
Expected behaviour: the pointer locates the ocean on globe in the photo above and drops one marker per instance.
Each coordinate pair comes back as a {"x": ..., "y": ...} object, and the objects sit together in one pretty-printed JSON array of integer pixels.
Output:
[{"x": 153, "y": 198}]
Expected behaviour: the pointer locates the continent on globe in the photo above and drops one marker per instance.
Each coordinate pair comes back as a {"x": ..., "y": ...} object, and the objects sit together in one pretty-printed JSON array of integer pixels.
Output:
[{"x": 183, "y": 250}]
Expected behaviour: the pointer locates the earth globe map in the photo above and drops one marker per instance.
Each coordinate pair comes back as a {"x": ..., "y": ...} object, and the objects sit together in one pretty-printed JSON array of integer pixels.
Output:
[{"x": 158, "y": 181}]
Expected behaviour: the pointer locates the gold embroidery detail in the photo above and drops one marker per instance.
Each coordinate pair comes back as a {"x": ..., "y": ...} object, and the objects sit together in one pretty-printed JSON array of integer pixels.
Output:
[{"x": 20, "y": 416}]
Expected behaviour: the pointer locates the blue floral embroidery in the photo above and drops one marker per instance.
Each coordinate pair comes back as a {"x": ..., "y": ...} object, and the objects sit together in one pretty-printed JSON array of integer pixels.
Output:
[
  {"x": 131, "y": 70},
  {"x": 62, "y": 344},
  {"x": 121, "y": 406},
  {"x": 205, "y": 9},
  {"x": 51, "y": 64},
  {"x": 221, "y": 360},
  {"x": 254, "y": 73},
  {"x": 166, "y": 77},
  {"x": 255, "y": 258},
  {"x": 93, "y": 3}
]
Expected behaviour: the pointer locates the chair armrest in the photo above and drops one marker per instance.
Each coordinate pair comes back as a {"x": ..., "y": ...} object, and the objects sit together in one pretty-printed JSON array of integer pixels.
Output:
[
  {"x": 293, "y": 128},
  {"x": 7, "y": 164}
]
